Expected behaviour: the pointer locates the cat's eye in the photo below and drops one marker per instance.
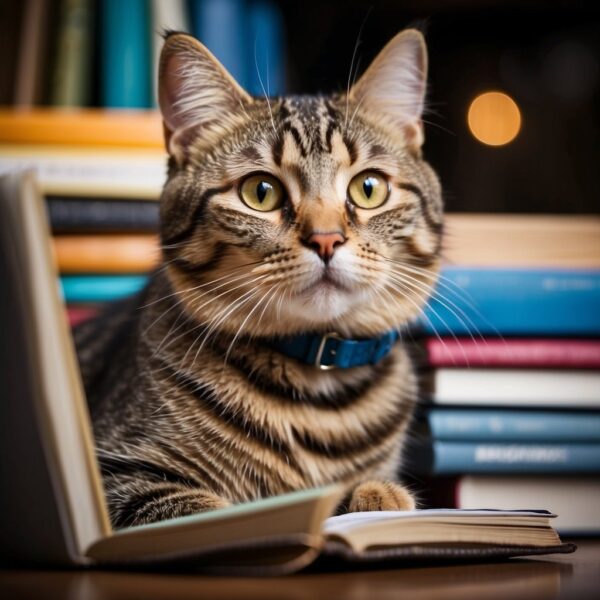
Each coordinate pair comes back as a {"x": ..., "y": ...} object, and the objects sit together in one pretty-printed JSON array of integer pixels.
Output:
[
  {"x": 368, "y": 190},
  {"x": 262, "y": 192}
]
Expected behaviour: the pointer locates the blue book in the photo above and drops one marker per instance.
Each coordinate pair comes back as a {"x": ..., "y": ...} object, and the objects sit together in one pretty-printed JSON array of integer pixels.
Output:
[
  {"x": 513, "y": 425},
  {"x": 515, "y": 302},
  {"x": 221, "y": 25},
  {"x": 453, "y": 458},
  {"x": 100, "y": 288},
  {"x": 266, "y": 60},
  {"x": 125, "y": 53}
]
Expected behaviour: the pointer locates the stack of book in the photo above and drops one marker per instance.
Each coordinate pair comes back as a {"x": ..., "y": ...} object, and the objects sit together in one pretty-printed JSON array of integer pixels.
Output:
[
  {"x": 88, "y": 53},
  {"x": 101, "y": 174},
  {"x": 514, "y": 351}
]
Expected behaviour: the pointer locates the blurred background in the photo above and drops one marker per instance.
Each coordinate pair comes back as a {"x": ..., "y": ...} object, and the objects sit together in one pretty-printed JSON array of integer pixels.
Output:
[
  {"x": 544, "y": 55},
  {"x": 509, "y": 348}
]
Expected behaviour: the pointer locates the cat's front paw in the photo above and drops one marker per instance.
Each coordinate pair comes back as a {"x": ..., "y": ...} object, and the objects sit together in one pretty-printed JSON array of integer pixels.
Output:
[{"x": 380, "y": 495}]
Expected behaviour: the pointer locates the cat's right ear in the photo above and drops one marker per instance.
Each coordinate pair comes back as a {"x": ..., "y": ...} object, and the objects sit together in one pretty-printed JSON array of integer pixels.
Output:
[{"x": 195, "y": 91}]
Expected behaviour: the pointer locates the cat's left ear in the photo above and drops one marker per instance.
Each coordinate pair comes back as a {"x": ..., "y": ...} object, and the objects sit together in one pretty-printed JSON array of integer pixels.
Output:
[
  {"x": 394, "y": 84},
  {"x": 195, "y": 91}
]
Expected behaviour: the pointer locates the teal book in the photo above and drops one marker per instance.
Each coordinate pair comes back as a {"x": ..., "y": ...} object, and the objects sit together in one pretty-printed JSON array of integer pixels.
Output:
[
  {"x": 440, "y": 457},
  {"x": 519, "y": 302},
  {"x": 125, "y": 53},
  {"x": 99, "y": 288},
  {"x": 523, "y": 426}
]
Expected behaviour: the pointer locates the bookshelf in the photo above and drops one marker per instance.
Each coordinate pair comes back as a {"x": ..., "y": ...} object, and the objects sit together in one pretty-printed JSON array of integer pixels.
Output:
[{"x": 518, "y": 194}]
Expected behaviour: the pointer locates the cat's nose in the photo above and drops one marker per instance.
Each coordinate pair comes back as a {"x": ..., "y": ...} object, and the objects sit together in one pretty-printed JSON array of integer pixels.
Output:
[{"x": 324, "y": 244}]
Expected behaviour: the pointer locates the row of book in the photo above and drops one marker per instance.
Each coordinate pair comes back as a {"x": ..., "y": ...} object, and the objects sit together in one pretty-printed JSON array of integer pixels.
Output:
[
  {"x": 512, "y": 411},
  {"x": 88, "y": 53}
]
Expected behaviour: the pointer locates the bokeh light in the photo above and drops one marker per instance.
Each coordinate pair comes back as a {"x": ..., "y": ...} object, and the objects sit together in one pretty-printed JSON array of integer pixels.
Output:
[{"x": 494, "y": 118}]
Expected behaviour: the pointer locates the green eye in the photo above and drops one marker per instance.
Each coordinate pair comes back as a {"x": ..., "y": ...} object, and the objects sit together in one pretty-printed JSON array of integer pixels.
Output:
[
  {"x": 262, "y": 192},
  {"x": 368, "y": 190}
]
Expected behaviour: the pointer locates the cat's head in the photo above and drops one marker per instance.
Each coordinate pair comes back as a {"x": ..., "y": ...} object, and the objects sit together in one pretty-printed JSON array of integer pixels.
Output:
[{"x": 296, "y": 214}]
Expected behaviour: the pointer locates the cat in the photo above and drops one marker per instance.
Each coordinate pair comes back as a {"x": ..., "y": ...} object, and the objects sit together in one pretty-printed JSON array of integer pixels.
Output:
[{"x": 302, "y": 219}]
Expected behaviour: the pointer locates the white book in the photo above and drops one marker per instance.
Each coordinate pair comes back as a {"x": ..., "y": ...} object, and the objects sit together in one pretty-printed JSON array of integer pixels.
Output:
[
  {"x": 517, "y": 387},
  {"x": 90, "y": 171}
]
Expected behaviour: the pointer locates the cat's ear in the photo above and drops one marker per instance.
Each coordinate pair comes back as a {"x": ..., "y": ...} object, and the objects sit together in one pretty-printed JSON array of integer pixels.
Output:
[
  {"x": 194, "y": 89},
  {"x": 394, "y": 84}
]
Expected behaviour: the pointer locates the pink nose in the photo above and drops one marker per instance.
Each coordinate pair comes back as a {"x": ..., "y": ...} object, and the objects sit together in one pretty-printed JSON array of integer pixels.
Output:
[{"x": 324, "y": 244}]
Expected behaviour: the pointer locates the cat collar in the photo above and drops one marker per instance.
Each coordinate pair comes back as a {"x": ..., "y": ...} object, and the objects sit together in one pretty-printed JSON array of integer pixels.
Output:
[{"x": 332, "y": 351}]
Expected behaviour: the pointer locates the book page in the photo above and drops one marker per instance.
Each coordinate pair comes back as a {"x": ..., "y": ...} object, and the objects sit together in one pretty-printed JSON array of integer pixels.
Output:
[{"x": 359, "y": 520}]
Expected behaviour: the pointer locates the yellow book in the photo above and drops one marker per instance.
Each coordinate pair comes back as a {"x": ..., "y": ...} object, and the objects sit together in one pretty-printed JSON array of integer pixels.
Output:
[
  {"x": 106, "y": 253},
  {"x": 82, "y": 127}
]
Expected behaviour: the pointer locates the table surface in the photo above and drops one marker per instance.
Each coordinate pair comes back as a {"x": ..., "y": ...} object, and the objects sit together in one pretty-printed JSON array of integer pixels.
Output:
[{"x": 554, "y": 576}]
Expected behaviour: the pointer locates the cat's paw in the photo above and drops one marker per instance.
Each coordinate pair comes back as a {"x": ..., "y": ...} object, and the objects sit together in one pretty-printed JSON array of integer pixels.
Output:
[{"x": 380, "y": 495}]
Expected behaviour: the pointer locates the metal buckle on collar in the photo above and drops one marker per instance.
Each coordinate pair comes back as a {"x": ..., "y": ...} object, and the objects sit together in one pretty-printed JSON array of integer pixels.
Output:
[{"x": 328, "y": 336}]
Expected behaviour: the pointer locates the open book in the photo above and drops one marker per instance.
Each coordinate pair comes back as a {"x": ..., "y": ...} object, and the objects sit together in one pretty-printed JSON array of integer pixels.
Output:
[{"x": 52, "y": 506}]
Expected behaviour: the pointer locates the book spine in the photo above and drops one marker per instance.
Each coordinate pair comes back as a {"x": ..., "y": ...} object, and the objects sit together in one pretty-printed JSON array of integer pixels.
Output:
[
  {"x": 31, "y": 56},
  {"x": 451, "y": 458},
  {"x": 99, "y": 288},
  {"x": 266, "y": 74},
  {"x": 125, "y": 59},
  {"x": 490, "y": 352},
  {"x": 72, "y": 215},
  {"x": 106, "y": 253},
  {"x": 71, "y": 83},
  {"x": 515, "y": 302},
  {"x": 221, "y": 25},
  {"x": 509, "y": 426}
]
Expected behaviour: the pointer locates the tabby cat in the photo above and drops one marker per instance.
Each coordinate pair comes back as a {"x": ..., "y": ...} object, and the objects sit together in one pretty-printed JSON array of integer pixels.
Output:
[{"x": 280, "y": 219}]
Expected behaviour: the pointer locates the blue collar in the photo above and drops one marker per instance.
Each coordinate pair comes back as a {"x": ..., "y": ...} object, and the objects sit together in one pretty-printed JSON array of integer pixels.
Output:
[{"x": 331, "y": 351}]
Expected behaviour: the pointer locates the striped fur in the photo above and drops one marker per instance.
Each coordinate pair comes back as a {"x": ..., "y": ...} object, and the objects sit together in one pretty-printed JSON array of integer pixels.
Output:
[{"x": 191, "y": 408}]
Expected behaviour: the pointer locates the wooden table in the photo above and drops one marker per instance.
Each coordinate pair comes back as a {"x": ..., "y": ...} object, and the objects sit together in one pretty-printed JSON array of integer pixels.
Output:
[{"x": 559, "y": 576}]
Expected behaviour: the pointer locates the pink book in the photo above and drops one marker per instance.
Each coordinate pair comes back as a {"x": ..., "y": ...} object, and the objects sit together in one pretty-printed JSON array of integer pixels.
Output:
[
  {"x": 528, "y": 353},
  {"x": 79, "y": 314}
]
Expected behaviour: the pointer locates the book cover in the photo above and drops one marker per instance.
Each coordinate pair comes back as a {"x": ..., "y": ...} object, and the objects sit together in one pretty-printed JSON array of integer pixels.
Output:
[
  {"x": 125, "y": 53},
  {"x": 107, "y": 253},
  {"x": 516, "y": 302},
  {"x": 266, "y": 55},
  {"x": 513, "y": 352},
  {"x": 513, "y": 425},
  {"x": 439, "y": 457},
  {"x": 99, "y": 288},
  {"x": 222, "y": 26},
  {"x": 564, "y": 388},
  {"x": 73, "y": 67},
  {"x": 101, "y": 215}
]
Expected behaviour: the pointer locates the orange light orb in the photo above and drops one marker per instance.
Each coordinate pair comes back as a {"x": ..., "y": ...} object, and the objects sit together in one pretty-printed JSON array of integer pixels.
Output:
[{"x": 494, "y": 118}]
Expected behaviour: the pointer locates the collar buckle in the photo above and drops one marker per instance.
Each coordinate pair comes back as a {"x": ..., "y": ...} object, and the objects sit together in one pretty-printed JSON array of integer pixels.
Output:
[{"x": 328, "y": 336}]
